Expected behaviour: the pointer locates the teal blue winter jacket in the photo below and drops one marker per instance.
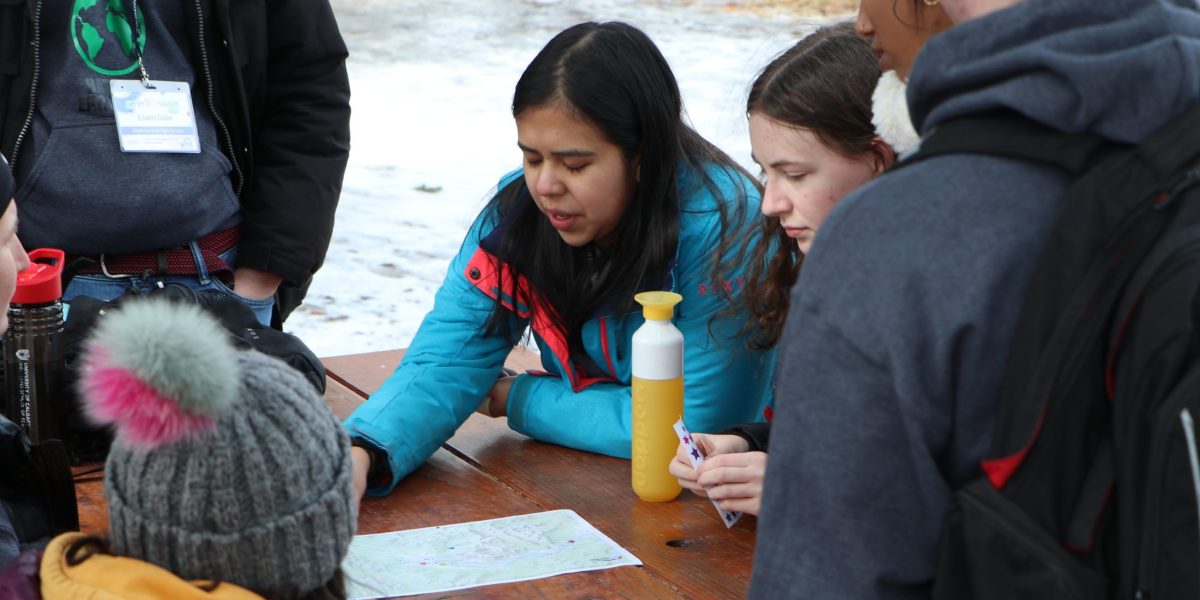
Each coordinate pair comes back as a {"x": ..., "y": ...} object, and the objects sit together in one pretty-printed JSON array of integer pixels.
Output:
[{"x": 453, "y": 360}]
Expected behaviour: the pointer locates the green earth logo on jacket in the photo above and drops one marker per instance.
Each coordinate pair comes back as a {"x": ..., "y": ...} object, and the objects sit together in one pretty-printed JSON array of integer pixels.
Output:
[{"x": 89, "y": 41}]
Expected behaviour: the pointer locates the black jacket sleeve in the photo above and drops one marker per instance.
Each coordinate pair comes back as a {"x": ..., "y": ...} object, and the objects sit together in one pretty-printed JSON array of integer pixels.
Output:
[
  {"x": 756, "y": 434},
  {"x": 301, "y": 142}
]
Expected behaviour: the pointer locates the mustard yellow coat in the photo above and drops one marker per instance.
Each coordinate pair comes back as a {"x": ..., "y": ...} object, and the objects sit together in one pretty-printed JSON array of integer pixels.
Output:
[{"x": 106, "y": 577}]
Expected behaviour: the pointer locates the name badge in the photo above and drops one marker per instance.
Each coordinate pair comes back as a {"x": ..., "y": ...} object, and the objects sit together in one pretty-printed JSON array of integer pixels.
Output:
[{"x": 155, "y": 119}]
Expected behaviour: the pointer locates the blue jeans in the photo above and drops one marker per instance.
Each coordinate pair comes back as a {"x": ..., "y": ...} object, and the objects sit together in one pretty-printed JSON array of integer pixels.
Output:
[
  {"x": 103, "y": 287},
  {"x": 10, "y": 546}
]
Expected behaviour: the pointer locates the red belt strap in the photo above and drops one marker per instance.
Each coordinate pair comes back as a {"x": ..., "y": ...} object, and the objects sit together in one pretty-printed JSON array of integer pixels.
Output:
[{"x": 170, "y": 261}]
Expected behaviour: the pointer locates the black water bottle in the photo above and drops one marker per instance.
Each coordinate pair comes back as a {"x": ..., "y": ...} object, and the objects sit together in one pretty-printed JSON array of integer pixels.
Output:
[{"x": 33, "y": 348}]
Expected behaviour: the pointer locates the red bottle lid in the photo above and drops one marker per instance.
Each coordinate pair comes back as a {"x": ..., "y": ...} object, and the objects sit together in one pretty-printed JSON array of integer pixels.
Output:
[{"x": 41, "y": 283}]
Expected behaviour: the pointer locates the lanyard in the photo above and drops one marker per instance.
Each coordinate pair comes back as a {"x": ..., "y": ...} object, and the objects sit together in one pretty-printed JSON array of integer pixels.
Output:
[{"x": 131, "y": 10}]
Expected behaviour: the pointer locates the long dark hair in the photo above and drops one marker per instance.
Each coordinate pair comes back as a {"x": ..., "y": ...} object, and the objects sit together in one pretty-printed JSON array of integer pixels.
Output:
[
  {"x": 822, "y": 84},
  {"x": 614, "y": 77}
]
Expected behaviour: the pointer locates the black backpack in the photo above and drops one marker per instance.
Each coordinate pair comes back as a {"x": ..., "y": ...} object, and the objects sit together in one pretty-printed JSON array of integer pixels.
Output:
[
  {"x": 88, "y": 442},
  {"x": 37, "y": 491},
  {"x": 1092, "y": 485}
]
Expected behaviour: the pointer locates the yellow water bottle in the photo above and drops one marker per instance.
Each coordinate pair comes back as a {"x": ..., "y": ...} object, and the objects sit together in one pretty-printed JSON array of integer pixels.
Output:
[{"x": 657, "y": 396}]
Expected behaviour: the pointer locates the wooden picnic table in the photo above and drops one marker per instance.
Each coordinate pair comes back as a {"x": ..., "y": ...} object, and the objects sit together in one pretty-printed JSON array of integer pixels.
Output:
[{"x": 488, "y": 471}]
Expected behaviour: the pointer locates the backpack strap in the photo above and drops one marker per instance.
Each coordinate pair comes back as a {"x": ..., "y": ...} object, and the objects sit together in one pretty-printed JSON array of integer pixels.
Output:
[
  {"x": 53, "y": 464},
  {"x": 1173, "y": 149},
  {"x": 1011, "y": 135},
  {"x": 1093, "y": 498}
]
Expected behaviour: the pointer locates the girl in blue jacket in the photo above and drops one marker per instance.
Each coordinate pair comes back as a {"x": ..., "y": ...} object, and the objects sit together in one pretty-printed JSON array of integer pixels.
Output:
[{"x": 616, "y": 195}]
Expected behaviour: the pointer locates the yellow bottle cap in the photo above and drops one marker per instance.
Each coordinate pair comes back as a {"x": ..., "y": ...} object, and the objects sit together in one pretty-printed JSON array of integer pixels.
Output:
[{"x": 658, "y": 306}]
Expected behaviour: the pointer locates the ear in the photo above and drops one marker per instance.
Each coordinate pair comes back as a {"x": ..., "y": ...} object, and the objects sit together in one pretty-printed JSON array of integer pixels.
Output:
[
  {"x": 882, "y": 155},
  {"x": 637, "y": 169}
]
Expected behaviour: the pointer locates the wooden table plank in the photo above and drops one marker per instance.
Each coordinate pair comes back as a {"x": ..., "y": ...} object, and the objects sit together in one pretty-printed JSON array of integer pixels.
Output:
[
  {"x": 364, "y": 373},
  {"x": 682, "y": 542},
  {"x": 341, "y": 399},
  {"x": 447, "y": 490},
  {"x": 443, "y": 491},
  {"x": 89, "y": 498}
]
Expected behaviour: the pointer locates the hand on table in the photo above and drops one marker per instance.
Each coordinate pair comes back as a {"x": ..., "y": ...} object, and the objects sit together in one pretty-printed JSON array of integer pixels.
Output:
[
  {"x": 731, "y": 474},
  {"x": 495, "y": 403}
]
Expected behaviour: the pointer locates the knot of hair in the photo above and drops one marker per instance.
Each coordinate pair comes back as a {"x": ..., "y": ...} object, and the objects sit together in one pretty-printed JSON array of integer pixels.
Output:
[{"x": 158, "y": 371}]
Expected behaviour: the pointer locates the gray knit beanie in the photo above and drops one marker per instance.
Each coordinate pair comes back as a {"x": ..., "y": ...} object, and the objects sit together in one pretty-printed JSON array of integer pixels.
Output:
[{"x": 226, "y": 464}]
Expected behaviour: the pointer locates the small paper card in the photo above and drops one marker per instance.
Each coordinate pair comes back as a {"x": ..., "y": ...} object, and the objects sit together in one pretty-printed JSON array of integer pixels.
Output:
[
  {"x": 155, "y": 118},
  {"x": 727, "y": 517}
]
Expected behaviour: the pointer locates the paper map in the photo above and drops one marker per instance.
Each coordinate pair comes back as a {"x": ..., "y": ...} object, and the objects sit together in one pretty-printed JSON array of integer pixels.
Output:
[{"x": 452, "y": 557}]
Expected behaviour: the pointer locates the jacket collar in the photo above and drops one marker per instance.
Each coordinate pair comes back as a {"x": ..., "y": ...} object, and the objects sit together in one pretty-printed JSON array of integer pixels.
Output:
[{"x": 106, "y": 576}]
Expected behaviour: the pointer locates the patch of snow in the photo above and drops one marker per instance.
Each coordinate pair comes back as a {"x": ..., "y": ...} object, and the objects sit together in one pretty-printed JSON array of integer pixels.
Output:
[{"x": 431, "y": 131}]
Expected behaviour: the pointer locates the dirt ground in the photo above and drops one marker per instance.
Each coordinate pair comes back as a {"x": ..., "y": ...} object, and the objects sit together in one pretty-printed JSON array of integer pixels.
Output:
[{"x": 804, "y": 8}]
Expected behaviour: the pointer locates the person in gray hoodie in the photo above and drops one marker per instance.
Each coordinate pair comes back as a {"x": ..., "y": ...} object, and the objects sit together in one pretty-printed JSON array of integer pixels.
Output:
[{"x": 902, "y": 317}]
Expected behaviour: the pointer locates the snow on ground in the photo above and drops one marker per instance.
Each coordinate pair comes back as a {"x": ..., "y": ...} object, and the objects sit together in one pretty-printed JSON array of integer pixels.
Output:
[{"x": 431, "y": 131}]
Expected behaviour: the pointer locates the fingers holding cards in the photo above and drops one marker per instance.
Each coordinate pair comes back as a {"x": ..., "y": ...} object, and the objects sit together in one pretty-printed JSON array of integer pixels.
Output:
[
  {"x": 734, "y": 481},
  {"x": 681, "y": 468},
  {"x": 692, "y": 453}
]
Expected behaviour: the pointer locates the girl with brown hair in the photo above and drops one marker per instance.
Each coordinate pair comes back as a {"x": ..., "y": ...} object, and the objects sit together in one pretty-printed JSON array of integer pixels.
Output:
[{"x": 812, "y": 135}]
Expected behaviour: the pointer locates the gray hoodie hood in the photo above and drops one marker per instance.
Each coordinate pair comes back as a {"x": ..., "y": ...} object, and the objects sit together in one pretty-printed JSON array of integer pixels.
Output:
[
  {"x": 893, "y": 352},
  {"x": 1129, "y": 67}
]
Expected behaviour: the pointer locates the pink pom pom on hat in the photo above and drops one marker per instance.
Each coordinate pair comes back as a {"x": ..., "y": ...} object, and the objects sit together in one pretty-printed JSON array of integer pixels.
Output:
[
  {"x": 158, "y": 372},
  {"x": 147, "y": 417}
]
